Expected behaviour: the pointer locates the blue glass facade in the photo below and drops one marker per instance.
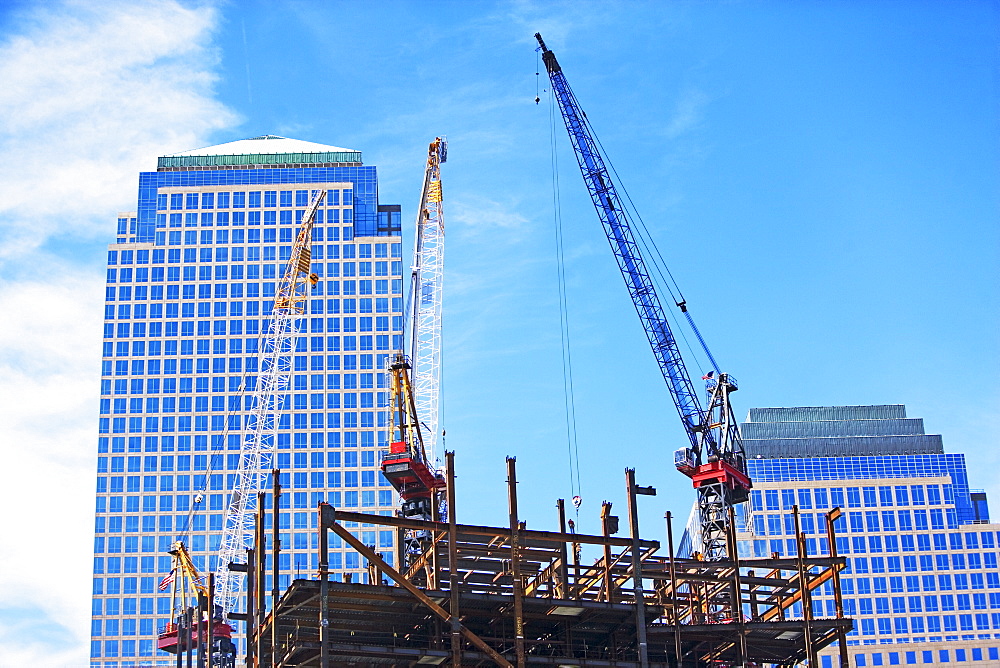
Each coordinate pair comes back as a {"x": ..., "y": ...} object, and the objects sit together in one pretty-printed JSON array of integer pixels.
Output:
[
  {"x": 922, "y": 581},
  {"x": 874, "y": 468},
  {"x": 190, "y": 281}
]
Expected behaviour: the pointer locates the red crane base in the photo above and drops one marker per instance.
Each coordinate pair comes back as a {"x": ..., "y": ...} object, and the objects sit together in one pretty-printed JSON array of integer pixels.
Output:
[
  {"x": 169, "y": 642},
  {"x": 410, "y": 477},
  {"x": 721, "y": 472}
]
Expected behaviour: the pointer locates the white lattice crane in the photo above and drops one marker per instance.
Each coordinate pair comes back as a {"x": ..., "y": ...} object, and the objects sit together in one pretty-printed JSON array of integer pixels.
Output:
[
  {"x": 425, "y": 300},
  {"x": 268, "y": 402},
  {"x": 416, "y": 378}
]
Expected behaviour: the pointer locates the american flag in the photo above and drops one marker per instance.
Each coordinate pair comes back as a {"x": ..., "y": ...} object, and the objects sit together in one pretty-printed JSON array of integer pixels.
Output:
[{"x": 166, "y": 581}]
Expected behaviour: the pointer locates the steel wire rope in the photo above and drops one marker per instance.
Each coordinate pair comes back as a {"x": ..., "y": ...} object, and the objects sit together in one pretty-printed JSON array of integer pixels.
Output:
[
  {"x": 241, "y": 394},
  {"x": 186, "y": 530},
  {"x": 569, "y": 398},
  {"x": 660, "y": 267},
  {"x": 645, "y": 241},
  {"x": 657, "y": 278},
  {"x": 222, "y": 437}
]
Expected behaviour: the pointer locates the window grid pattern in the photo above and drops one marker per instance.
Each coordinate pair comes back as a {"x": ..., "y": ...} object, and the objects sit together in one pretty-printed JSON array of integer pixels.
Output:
[
  {"x": 871, "y": 468},
  {"x": 189, "y": 284},
  {"x": 922, "y": 581}
]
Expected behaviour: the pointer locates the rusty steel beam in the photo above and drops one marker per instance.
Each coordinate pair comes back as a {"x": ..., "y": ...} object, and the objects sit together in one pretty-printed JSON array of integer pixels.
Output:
[
  {"x": 499, "y": 532},
  {"x": 327, "y": 517}
]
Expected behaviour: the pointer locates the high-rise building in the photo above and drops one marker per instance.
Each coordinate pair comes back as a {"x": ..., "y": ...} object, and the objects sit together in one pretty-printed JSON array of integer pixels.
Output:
[
  {"x": 191, "y": 278},
  {"x": 922, "y": 582}
]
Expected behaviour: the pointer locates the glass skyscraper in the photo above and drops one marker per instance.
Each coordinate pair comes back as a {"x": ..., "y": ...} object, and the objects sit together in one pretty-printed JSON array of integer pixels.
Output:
[
  {"x": 922, "y": 582},
  {"x": 190, "y": 282}
]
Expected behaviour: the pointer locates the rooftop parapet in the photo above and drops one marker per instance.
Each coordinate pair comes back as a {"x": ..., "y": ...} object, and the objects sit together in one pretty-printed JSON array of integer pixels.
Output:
[{"x": 269, "y": 151}]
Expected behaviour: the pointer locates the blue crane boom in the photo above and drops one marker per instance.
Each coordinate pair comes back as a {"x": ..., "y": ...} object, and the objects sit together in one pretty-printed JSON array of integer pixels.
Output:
[
  {"x": 715, "y": 460},
  {"x": 618, "y": 229}
]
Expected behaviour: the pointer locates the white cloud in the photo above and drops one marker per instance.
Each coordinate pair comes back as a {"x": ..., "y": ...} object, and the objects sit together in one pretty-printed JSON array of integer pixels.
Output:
[
  {"x": 48, "y": 374},
  {"x": 478, "y": 215},
  {"x": 688, "y": 113},
  {"x": 92, "y": 93},
  {"x": 555, "y": 21}
]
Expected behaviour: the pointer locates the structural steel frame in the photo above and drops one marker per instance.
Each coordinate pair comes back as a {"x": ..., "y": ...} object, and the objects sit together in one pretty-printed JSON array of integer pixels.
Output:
[{"x": 510, "y": 596}]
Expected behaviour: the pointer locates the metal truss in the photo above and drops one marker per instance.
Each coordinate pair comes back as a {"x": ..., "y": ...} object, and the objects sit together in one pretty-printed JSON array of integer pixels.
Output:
[
  {"x": 272, "y": 384},
  {"x": 425, "y": 301}
]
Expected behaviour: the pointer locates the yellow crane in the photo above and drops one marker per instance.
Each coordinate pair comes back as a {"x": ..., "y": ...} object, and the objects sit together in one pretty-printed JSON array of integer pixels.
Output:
[{"x": 190, "y": 593}]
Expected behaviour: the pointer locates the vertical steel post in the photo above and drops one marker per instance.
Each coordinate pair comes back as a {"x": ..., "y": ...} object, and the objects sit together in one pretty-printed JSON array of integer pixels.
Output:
[
  {"x": 638, "y": 593},
  {"x": 180, "y": 639},
  {"x": 606, "y": 532},
  {"x": 456, "y": 626},
  {"x": 736, "y": 602},
  {"x": 400, "y": 546},
  {"x": 673, "y": 589},
  {"x": 261, "y": 547},
  {"x": 275, "y": 554},
  {"x": 754, "y": 601},
  {"x": 515, "y": 559},
  {"x": 200, "y": 630},
  {"x": 805, "y": 596},
  {"x": 324, "y": 590},
  {"x": 563, "y": 589},
  {"x": 252, "y": 599},
  {"x": 576, "y": 555},
  {"x": 210, "y": 635},
  {"x": 189, "y": 625},
  {"x": 432, "y": 543},
  {"x": 831, "y": 538}
]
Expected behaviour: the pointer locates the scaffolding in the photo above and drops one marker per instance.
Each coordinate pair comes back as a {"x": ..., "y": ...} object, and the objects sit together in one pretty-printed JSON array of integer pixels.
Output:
[{"x": 510, "y": 596}]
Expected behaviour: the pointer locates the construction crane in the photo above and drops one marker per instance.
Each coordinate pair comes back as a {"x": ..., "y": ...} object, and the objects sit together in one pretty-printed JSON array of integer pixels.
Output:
[
  {"x": 185, "y": 631},
  {"x": 714, "y": 460},
  {"x": 425, "y": 298},
  {"x": 406, "y": 465},
  {"x": 268, "y": 402},
  {"x": 415, "y": 398}
]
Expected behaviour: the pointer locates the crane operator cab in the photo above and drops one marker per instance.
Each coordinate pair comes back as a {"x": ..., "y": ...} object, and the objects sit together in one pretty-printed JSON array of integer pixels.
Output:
[{"x": 685, "y": 461}]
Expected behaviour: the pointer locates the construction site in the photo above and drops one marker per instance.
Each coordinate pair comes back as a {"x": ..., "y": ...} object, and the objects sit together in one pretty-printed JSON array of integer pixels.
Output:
[
  {"x": 463, "y": 594},
  {"x": 510, "y": 596}
]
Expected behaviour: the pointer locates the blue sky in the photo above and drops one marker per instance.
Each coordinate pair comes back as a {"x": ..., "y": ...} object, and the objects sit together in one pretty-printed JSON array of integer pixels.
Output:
[{"x": 821, "y": 177}]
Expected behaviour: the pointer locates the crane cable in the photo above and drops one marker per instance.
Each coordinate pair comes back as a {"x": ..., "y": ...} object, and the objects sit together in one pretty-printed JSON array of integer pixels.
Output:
[
  {"x": 198, "y": 501},
  {"x": 234, "y": 407},
  {"x": 569, "y": 401},
  {"x": 662, "y": 271}
]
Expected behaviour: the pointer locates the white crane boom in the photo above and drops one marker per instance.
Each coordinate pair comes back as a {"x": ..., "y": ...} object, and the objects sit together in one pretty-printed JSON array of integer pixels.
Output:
[
  {"x": 425, "y": 300},
  {"x": 268, "y": 402}
]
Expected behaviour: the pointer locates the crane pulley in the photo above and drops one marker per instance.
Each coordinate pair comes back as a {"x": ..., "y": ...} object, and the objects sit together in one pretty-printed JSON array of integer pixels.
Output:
[{"x": 714, "y": 458}]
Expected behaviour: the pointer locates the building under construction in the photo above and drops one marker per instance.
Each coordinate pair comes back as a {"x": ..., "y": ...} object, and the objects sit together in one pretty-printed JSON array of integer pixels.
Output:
[{"x": 510, "y": 596}]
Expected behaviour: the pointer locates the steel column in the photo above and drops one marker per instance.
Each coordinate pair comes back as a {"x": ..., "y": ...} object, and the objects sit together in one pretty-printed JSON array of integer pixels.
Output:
[
  {"x": 640, "y": 596},
  {"x": 275, "y": 552},
  {"x": 456, "y": 632},
  {"x": 515, "y": 560},
  {"x": 831, "y": 539}
]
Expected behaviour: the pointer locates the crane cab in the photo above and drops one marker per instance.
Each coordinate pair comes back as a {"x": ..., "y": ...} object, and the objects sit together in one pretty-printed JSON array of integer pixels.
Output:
[{"x": 685, "y": 462}]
